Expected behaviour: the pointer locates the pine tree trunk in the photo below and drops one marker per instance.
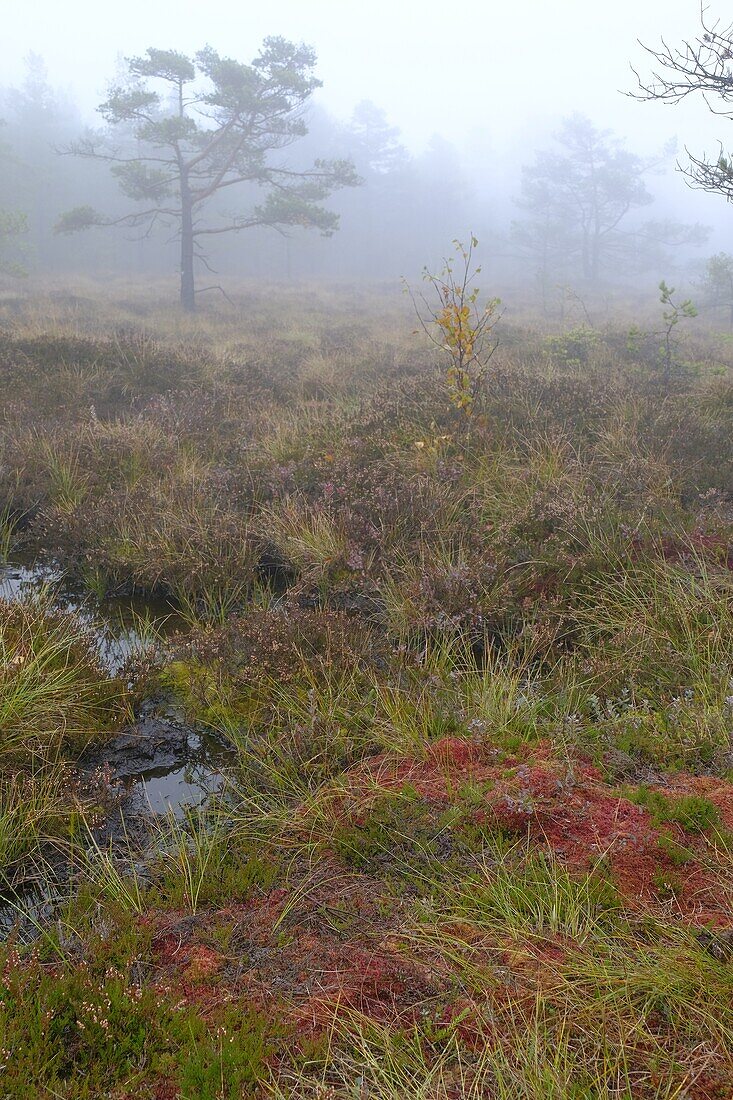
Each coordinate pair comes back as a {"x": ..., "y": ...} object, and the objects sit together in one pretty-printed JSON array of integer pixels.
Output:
[{"x": 188, "y": 291}]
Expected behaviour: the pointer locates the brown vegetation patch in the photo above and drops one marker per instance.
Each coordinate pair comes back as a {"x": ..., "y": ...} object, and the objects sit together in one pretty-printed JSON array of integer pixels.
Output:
[
  {"x": 310, "y": 951},
  {"x": 573, "y": 811}
]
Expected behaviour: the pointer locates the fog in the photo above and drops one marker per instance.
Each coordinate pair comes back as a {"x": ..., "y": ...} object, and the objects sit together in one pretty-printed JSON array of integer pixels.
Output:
[
  {"x": 484, "y": 69},
  {"x": 461, "y": 100}
]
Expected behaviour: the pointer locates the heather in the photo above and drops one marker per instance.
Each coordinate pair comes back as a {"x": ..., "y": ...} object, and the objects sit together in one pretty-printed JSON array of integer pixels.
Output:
[{"x": 465, "y": 654}]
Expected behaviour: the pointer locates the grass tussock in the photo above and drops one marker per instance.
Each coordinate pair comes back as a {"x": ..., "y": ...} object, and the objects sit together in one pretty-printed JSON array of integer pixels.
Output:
[{"x": 53, "y": 687}]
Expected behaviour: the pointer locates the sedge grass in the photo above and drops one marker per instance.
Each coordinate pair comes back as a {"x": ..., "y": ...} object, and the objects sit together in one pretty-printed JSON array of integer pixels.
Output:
[{"x": 53, "y": 687}]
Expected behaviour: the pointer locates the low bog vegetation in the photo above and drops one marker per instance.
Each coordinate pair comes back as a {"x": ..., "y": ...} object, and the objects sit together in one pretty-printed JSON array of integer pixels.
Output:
[{"x": 475, "y": 673}]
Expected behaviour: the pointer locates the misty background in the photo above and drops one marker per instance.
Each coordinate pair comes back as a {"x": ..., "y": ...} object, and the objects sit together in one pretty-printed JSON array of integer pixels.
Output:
[{"x": 456, "y": 122}]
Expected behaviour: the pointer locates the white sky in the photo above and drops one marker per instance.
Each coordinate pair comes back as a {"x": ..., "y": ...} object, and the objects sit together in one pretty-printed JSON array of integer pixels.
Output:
[{"x": 498, "y": 69}]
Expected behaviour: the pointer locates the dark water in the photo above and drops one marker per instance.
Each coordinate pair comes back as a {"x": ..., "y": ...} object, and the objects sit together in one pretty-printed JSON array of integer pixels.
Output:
[
  {"x": 183, "y": 765},
  {"x": 157, "y": 766},
  {"x": 120, "y": 625}
]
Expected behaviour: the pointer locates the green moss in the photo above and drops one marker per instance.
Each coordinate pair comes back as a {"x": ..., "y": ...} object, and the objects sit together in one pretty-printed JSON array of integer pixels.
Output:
[
  {"x": 396, "y": 827},
  {"x": 694, "y": 813},
  {"x": 675, "y": 852}
]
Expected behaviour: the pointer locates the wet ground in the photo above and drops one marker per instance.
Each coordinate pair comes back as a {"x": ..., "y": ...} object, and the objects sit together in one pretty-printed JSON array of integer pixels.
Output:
[
  {"x": 159, "y": 765},
  {"x": 120, "y": 624}
]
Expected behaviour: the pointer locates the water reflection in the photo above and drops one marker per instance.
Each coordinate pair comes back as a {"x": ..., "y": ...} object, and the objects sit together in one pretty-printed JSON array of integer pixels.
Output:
[
  {"x": 158, "y": 766},
  {"x": 120, "y": 625}
]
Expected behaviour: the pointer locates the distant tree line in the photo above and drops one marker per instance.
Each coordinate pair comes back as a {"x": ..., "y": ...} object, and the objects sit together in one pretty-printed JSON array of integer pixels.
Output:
[{"x": 191, "y": 151}]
